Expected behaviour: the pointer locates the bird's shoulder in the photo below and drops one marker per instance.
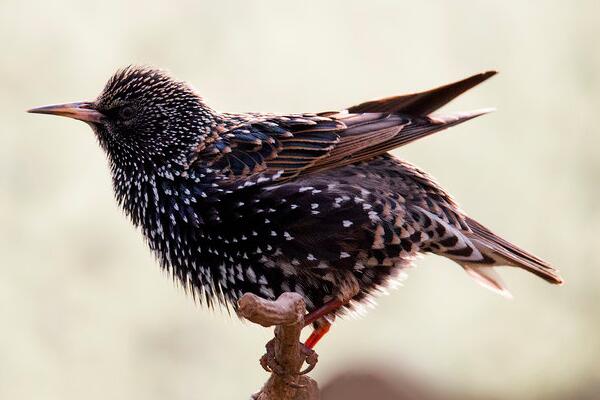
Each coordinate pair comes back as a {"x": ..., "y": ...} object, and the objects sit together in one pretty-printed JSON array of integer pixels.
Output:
[{"x": 246, "y": 145}]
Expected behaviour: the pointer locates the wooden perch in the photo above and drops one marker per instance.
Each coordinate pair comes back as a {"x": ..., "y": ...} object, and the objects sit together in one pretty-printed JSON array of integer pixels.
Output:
[{"x": 285, "y": 354}]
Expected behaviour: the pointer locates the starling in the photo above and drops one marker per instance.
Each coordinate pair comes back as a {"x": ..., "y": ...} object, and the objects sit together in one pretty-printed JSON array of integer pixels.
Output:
[{"x": 268, "y": 203}]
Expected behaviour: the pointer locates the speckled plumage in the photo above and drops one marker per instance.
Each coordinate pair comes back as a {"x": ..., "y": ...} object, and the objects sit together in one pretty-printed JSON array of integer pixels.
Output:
[{"x": 265, "y": 203}]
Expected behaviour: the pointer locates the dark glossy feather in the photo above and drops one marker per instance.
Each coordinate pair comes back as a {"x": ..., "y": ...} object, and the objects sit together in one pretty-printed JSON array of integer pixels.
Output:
[
  {"x": 422, "y": 103},
  {"x": 308, "y": 143}
]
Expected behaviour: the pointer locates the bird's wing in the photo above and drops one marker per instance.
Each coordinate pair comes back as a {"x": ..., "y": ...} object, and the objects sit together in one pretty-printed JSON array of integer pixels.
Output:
[
  {"x": 287, "y": 146},
  {"x": 264, "y": 145},
  {"x": 422, "y": 103},
  {"x": 268, "y": 144},
  {"x": 359, "y": 143}
]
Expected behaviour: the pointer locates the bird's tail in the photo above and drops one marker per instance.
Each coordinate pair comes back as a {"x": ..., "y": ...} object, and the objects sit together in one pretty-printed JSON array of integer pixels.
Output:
[
  {"x": 478, "y": 250},
  {"x": 496, "y": 251}
]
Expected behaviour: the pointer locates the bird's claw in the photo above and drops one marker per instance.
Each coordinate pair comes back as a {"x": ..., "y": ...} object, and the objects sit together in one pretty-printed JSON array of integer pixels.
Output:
[
  {"x": 310, "y": 358},
  {"x": 268, "y": 360},
  {"x": 270, "y": 364},
  {"x": 264, "y": 363}
]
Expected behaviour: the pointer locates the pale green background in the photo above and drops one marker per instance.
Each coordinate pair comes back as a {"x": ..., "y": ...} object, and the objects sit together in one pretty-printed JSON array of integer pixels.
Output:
[{"x": 85, "y": 313}]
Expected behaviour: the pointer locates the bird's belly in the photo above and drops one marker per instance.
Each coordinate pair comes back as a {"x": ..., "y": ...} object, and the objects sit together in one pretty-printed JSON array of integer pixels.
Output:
[{"x": 302, "y": 237}]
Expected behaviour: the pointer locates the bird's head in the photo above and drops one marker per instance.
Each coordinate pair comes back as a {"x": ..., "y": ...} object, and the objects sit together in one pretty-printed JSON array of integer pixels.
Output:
[{"x": 143, "y": 119}]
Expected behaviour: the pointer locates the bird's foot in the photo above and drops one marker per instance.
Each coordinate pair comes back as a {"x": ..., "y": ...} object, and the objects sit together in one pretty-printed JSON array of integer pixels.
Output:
[
  {"x": 310, "y": 358},
  {"x": 269, "y": 363}
]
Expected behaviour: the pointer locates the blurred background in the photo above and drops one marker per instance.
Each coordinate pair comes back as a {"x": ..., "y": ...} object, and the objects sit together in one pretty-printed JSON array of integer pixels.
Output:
[{"x": 85, "y": 312}]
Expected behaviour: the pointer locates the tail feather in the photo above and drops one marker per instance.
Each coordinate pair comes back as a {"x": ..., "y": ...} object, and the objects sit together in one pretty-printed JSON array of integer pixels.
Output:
[
  {"x": 506, "y": 253},
  {"x": 487, "y": 277},
  {"x": 478, "y": 250}
]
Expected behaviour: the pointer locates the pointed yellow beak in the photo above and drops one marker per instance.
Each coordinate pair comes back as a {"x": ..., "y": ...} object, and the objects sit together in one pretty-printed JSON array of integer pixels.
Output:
[{"x": 83, "y": 111}]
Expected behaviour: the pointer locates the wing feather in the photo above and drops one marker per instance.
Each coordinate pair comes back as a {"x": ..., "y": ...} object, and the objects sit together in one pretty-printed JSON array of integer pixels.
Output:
[
  {"x": 250, "y": 145},
  {"x": 422, "y": 103}
]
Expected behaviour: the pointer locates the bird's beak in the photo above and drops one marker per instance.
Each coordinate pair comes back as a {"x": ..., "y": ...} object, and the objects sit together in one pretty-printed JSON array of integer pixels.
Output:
[{"x": 83, "y": 111}]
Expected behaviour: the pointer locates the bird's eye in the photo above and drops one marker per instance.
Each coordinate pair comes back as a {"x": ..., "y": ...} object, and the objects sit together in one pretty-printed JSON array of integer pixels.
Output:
[{"x": 126, "y": 112}]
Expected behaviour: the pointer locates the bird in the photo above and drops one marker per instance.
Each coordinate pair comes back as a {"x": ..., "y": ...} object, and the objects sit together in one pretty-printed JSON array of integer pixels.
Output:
[{"x": 311, "y": 203}]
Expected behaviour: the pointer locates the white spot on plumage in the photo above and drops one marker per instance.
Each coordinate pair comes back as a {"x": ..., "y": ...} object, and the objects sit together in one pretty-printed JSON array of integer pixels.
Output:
[
  {"x": 268, "y": 292},
  {"x": 250, "y": 274}
]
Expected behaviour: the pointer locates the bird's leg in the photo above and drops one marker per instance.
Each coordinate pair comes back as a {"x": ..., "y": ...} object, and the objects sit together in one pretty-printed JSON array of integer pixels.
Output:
[
  {"x": 323, "y": 316},
  {"x": 318, "y": 333},
  {"x": 348, "y": 288},
  {"x": 327, "y": 308},
  {"x": 322, "y": 324}
]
